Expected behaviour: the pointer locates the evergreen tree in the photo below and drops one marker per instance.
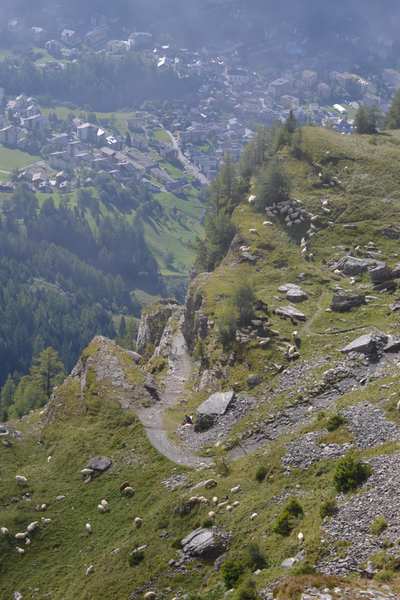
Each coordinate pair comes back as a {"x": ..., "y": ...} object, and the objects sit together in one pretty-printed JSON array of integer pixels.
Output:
[
  {"x": 35, "y": 389},
  {"x": 244, "y": 299},
  {"x": 393, "y": 118},
  {"x": 291, "y": 123},
  {"x": 47, "y": 371},
  {"x": 7, "y": 397},
  {"x": 272, "y": 185},
  {"x": 366, "y": 120},
  {"x": 122, "y": 328}
]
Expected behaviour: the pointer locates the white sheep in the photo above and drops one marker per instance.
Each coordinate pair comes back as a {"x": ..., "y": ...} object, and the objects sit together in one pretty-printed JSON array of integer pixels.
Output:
[
  {"x": 4, "y": 531},
  {"x": 46, "y": 521},
  {"x": 211, "y": 514},
  {"x": 21, "y": 480},
  {"x": 20, "y": 550},
  {"x": 253, "y": 516},
  {"x": 88, "y": 528},
  {"x": 21, "y": 536},
  {"x": 90, "y": 570},
  {"x": 229, "y": 508},
  {"x": 236, "y": 489},
  {"x": 103, "y": 507},
  {"x": 138, "y": 522},
  {"x": 32, "y": 526},
  {"x": 300, "y": 537}
]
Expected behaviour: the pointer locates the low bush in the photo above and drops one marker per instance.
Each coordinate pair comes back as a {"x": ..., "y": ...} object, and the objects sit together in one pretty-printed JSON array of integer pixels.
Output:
[
  {"x": 232, "y": 570},
  {"x": 261, "y": 473},
  {"x": 350, "y": 474},
  {"x": 256, "y": 558},
  {"x": 378, "y": 526},
  {"x": 328, "y": 508},
  {"x": 247, "y": 591},
  {"x": 286, "y": 521},
  {"x": 334, "y": 422}
]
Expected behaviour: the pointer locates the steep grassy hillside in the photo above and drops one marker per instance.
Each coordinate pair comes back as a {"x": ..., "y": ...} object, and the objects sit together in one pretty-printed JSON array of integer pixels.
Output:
[{"x": 300, "y": 406}]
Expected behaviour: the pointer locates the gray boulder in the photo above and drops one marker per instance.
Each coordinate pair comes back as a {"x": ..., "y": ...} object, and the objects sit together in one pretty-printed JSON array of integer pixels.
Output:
[
  {"x": 289, "y": 312},
  {"x": 351, "y": 265},
  {"x": 296, "y": 295},
  {"x": 99, "y": 464},
  {"x": 206, "y": 544},
  {"x": 380, "y": 273},
  {"x": 343, "y": 302},
  {"x": 370, "y": 343},
  {"x": 217, "y": 404},
  {"x": 393, "y": 344},
  {"x": 293, "y": 292}
]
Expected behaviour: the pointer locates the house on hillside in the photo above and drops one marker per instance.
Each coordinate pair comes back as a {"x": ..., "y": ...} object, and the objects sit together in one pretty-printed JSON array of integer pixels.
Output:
[
  {"x": 87, "y": 132},
  {"x": 70, "y": 37},
  {"x": 9, "y": 136}
]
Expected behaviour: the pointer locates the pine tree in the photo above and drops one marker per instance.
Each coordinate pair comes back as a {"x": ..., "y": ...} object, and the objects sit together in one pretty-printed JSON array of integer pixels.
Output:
[
  {"x": 393, "y": 118},
  {"x": 47, "y": 371},
  {"x": 366, "y": 120},
  {"x": 273, "y": 185},
  {"x": 291, "y": 123},
  {"x": 7, "y": 397},
  {"x": 122, "y": 328}
]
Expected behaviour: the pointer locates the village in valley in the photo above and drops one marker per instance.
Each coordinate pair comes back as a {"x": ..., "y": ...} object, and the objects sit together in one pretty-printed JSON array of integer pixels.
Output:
[{"x": 179, "y": 144}]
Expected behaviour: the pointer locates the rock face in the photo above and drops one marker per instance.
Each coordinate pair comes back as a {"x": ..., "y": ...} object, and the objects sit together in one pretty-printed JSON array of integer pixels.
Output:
[
  {"x": 112, "y": 367},
  {"x": 351, "y": 265},
  {"x": 370, "y": 344},
  {"x": 195, "y": 325},
  {"x": 343, "y": 302},
  {"x": 380, "y": 273},
  {"x": 289, "y": 312},
  {"x": 206, "y": 544},
  {"x": 217, "y": 404},
  {"x": 153, "y": 323}
]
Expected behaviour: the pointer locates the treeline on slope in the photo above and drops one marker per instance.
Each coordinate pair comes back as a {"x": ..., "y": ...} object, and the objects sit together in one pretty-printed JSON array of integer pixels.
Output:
[
  {"x": 97, "y": 81},
  {"x": 62, "y": 280},
  {"x": 34, "y": 389},
  {"x": 258, "y": 169}
]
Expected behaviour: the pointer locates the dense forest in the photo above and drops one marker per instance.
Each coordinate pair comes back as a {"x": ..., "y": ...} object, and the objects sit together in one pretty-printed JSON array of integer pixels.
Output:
[
  {"x": 65, "y": 271},
  {"x": 97, "y": 81}
]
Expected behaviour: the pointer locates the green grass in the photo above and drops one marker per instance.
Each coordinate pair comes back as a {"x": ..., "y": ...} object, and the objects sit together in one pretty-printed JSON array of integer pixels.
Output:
[
  {"x": 15, "y": 159},
  {"x": 161, "y": 135}
]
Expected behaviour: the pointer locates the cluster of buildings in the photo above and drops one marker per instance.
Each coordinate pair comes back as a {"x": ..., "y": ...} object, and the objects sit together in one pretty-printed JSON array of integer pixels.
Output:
[
  {"x": 78, "y": 148},
  {"x": 231, "y": 98}
]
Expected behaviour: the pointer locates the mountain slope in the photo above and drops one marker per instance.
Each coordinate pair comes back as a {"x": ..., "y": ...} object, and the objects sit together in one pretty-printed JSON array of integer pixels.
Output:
[{"x": 300, "y": 405}]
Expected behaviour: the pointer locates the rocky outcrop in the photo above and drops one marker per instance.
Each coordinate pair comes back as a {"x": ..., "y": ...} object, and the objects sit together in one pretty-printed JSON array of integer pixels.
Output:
[
  {"x": 206, "y": 544},
  {"x": 104, "y": 370},
  {"x": 195, "y": 325},
  {"x": 343, "y": 302},
  {"x": 351, "y": 265},
  {"x": 152, "y": 324},
  {"x": 369, "y": 344}
]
